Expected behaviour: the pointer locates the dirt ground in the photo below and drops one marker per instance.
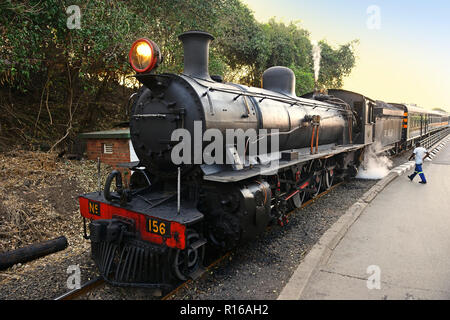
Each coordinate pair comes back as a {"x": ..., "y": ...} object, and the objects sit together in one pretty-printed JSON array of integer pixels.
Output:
[
  {"x": 38, "y": 196},
  {"x": 39, "y": 201}
]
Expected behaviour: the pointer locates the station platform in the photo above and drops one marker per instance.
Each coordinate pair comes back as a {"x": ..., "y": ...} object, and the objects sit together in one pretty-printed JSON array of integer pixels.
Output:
[{"x": 398, "y": 248}]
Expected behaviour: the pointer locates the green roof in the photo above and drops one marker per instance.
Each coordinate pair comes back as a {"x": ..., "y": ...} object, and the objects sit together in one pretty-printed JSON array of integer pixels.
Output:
[{"x": 107, "y": 134}]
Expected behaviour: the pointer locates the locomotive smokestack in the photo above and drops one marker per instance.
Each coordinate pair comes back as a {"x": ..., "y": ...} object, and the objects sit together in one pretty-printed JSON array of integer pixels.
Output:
[{"x": 196, "y": 53}]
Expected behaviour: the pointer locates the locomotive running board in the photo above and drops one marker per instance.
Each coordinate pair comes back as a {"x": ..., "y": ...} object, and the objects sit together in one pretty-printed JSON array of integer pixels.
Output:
[{"x": 227, "y": 174}]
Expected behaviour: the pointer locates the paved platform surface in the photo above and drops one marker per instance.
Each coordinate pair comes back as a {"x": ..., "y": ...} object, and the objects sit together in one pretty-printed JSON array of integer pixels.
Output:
[{"x": 401, "y": 239}]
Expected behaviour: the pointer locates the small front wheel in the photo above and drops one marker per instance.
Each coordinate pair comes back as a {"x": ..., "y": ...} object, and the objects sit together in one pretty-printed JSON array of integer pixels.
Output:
[{"x": 187, "y": 262}]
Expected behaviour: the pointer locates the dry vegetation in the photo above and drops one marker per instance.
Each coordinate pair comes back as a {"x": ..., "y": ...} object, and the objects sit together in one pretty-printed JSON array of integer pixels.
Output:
[{"x": 38, "y": 197}]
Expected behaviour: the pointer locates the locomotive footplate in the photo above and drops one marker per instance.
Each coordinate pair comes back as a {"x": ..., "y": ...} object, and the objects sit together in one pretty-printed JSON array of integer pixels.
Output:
[
  {"x": 224, "y": 174},
  {"x": 154, "y": 216},
  {"x": 147, "y": 204}
]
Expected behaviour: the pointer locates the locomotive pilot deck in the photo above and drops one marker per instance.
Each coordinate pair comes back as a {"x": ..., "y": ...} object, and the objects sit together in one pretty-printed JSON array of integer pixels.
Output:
[
  {"x": 142, "y": 205},
  {"x": 153, "y": 217}
]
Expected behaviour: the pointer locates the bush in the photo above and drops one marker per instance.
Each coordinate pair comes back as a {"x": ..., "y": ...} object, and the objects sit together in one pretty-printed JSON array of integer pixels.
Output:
[{"x": 57, "y": 81}]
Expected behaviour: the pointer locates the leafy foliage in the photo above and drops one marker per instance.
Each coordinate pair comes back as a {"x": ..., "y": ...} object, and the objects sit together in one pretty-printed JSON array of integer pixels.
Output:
[
  {"x": 72, "y": 80},
  {"x": 336, "y": 64}
]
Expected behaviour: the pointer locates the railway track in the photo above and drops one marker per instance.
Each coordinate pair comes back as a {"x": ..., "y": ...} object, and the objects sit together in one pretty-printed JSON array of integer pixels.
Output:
[
  {"x": 99, "y": 281},
  {"x": 85, "y": 288}
]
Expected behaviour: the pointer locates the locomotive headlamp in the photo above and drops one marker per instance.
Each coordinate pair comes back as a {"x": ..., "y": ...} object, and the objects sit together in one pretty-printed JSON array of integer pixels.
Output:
[
  {"x": 144, "y": 50},
  {"x": 144, "y": 55}
]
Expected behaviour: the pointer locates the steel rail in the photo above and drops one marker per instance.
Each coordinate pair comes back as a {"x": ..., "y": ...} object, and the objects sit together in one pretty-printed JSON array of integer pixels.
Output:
[{"x": 86, "y": 287}]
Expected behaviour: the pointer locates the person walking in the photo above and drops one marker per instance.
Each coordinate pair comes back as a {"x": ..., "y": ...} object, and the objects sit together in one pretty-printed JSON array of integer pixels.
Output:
[{"x": 420, "y": 153}]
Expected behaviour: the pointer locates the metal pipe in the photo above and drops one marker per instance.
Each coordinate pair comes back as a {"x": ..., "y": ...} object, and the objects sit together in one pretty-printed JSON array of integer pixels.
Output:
[
  {"x": 98, "y": 177},
  {"x": 312, "y": 139},
  {"x": 317, "y": 139}
]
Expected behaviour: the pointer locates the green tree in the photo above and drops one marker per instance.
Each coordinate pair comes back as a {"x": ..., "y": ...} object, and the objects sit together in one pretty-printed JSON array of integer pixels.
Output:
[
  {"x": 74, "y": 73},
  {"x": 71, "y": 80},
  {"x": 304, "y": 80},
  {"x": 336, "y": 64}
]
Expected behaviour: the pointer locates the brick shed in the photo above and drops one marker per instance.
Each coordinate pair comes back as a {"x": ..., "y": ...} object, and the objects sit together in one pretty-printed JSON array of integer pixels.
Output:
[{"x": 112, "y": 146}]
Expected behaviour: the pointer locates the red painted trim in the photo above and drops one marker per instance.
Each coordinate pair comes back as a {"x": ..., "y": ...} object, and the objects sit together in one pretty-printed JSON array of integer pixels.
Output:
[
  {"x": 176, "y": 239},
  {"x": 303, "y": 186},
  {"x": 292, "y": 194}
]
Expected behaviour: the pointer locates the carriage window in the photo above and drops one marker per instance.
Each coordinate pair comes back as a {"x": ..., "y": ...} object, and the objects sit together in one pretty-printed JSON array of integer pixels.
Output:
[{"x": 370, "y": 117}]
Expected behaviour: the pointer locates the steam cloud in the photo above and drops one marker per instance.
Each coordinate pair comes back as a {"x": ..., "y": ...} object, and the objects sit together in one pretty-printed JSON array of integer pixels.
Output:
[
  {"x": 374, "y": 167},
  {"x": 316, "y": 51}
]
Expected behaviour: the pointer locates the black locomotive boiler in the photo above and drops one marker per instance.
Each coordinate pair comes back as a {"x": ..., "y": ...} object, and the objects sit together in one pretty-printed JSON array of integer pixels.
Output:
[{"x": 157, "y": 229}]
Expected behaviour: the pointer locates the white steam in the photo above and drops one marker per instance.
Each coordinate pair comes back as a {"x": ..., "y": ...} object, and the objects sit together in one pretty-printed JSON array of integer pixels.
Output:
[
  {"x": 316, "y": 52},
  {"x": 374, "y": 167}
]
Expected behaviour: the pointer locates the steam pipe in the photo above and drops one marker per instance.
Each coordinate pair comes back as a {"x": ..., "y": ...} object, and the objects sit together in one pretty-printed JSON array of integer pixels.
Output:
[{"x": 317, "y": 139}]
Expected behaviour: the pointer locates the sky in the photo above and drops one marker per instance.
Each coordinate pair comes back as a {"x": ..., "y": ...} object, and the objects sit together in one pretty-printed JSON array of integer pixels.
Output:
[{"x": 403, "y": 53}]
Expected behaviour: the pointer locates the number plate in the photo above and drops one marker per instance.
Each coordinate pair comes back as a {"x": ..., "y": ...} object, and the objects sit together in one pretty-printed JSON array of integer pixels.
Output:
[
  {"x": 94, "y": 207},
  {"x": 158, "y": 227}
]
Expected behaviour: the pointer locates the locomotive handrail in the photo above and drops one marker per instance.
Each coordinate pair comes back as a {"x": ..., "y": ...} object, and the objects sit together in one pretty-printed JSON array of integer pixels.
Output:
[
  {"x": 288, "y": 100},
  {"x": 107, "y": 190}
]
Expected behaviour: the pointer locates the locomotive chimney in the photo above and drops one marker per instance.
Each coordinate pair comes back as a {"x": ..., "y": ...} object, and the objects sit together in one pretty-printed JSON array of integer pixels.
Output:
[{"x": 196, "y": 53}]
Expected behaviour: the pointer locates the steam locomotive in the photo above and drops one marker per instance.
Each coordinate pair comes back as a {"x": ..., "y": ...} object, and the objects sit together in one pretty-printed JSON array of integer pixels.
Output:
[{"x": 156, "y": 231}]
